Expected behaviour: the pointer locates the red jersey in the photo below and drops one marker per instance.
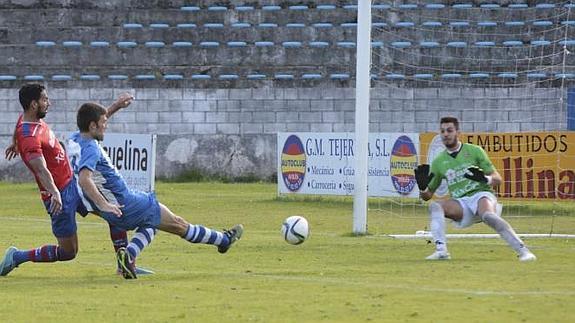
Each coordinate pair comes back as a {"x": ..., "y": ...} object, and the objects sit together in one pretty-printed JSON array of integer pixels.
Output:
[{"x": 35, "y": 139}]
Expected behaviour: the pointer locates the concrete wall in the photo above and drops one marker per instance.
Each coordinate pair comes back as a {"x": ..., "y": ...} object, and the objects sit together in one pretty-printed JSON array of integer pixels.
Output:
[{"x": 231, "y": 132}]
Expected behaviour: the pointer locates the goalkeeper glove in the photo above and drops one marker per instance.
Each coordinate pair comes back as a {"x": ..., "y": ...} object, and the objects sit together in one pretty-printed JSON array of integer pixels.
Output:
[
  {"x": 422, "y": 176},
  {"x": 476, "y": 174}
]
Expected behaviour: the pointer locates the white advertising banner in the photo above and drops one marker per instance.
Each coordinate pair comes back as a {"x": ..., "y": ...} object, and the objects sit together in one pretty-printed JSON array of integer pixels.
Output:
[
  {"x": 135, "y": 157},
  {"x": 323, "y": 163}
]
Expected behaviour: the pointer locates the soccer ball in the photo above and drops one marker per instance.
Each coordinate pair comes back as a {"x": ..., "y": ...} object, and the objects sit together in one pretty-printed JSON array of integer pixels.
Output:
[{"x": 295, "y": 229}]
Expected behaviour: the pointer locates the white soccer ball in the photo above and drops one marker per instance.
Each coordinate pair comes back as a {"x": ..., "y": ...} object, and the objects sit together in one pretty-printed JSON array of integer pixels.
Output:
[{"x": 295, "y": 229}]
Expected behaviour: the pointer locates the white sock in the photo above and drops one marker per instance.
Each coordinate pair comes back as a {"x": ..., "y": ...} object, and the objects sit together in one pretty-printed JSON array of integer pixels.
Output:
[
  {"x": 437, "y": 226},
  {"x": 505, "y": 231}
]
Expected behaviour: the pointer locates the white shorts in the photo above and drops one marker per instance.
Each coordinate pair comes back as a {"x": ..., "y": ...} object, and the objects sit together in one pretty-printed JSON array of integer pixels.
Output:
[{"x": 469, "y": 206}]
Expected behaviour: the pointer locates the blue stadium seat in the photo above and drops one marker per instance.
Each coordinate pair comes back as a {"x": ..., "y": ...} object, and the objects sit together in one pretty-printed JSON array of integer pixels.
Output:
[
  {"x": 99, "y": 44},
  {"x": 271, "y": 8},
  {"x": 423, "y": 76},
  {"x": 569, "y": 5},
  {"x": 350, "y": 7},
  {"x": 155, "y": 44},
  {"x": 542, "y": 23},
  {"x": 507, "y": 75},
  {"x": 217, "y": 8},
  {"x": 346, "y": 44},
  {"x": 484, "y": 43},
  {"x": 190, "y": 8},
  {"x": 567, "y": 42},
  {"x": 145, "y": 77},
  {"x": 237, "y": 44},
  {"x": 298, "y": 7},
  {"x": 376, "y": 44},
  {"x": 380, "y": 6},
  {"x": 478, "y": 75},
  {"x": 429, "y": 44},
  {"x": 173, "y": 77},
  {"x": 90, "y": 77},
  {"x": 318, "y": 44},
  {"x": 457, "y": 44},
  {"x": 126, "y": 44},
  {"x": 518, "y": 6},
  {"x": 117, "y": 77},
  {"x": 407, "y": 6},
  {"x": 434, "y": 6},
  {"x": 432, "y": 24},
  {"x": 244, "y": 8},
  {"x": 72, "y": 43},
  {"x": 283, "y": 76},
  {"x": 201, "y": 77},
  {"x": 45, "y": 43},
  {"x": 545, "y": 6},
  {"x": 404, "y": 24},
  {"x": 8, "y": 77},
  {"x": 209, "y": 44},
  {"x": 228, "y": 77},
  {"x": 213, "y": 25},
  {"x": 489, "y": 6},
  {"x": 241, "y": 25},
  {"x": 264, "y": 44},
  {"x": 451, "y": 76},
  {"x": 459, "y": 24},
  {"x": 379, "y": 24},
  {"x": 182, "y": 44},
  {"x": 311, "y": 76},
  {"x": 323, "y": 25},
  {"x": 487, "y": 24},
  {"x": 325, "y": 7},
  {"x": 159, "y": 25},
  {"x": 34, "y": 77},
  {"x": 536, "y": 75},
  {"x": 186, "y": 25},
  {"x": 61, "y": 77},
  {"x": 132, "y": 26},
  {"x": 565, "y": 75},
  {"x": 568, "y": 22},
  {"x": 295, "y": 25},
  {"x": 267, "y": 25},
  {"x": 291, "y": 44},
  {"x": 256, "y": 76},
  {"x": 514, "y": 23},
  {"x": 339, "y": 76},
  {"x": 540, "y": 43},
  {"x": 401, "y": 44},
  {"x": 349, "y": 25},
  {"x": 462, "y": 6},
  {"x": 395, "y": 76},
  {"x": 512, "y": 43}
]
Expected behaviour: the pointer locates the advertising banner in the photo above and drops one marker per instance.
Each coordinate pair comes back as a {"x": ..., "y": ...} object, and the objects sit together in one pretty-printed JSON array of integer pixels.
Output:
[
  {"x": 534, "y": 165},
  {"x": 323, "y": 163}
]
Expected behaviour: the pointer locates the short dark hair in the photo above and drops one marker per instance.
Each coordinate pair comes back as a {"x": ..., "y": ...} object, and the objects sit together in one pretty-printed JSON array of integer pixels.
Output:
[
  {"x": 89, "y": 112},
  {"x": 30, "y": 92},
  {"x": 450, "y": 120}
]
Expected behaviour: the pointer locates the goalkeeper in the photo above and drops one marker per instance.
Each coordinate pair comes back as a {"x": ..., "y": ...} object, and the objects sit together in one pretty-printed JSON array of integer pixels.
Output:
[{"x": 470, "y": 176}]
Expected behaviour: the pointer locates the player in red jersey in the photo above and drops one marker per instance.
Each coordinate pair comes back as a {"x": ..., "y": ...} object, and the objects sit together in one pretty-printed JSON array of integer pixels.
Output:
[{"x": 45, "y": 157}]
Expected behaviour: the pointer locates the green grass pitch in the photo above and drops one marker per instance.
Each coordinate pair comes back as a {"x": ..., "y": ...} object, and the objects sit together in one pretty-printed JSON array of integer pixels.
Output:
[{"x": 332, "y": 277}]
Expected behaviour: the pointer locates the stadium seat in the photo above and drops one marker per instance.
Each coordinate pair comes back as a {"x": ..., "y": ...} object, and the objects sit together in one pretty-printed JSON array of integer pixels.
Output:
[
  {"x": 201, "y": 77},
  {"x": 432, "y": 24},
  {"x": 264, "y": 44},
  {"x": 536, "y": 75},
  {"x": 117, "y": 77},
  {"x": 209, "y": 44},
  {"x": 487, "y": 24},
  {"x": 339, "y": 76},
  {"x": 241, "y": 25},
  {"x": 345, "y": 44},
  {"x": 507, "y": 75},
  {"x": 568, "y": 22},
  {"x": 459, "y": 24},
  {"x": 376, "y": 44},
  {"x": 61, "y": 77},
  {"x": 565, "y": 75},
  {"x": 186, "y": 25},
  {"x": 159, "y": 25},
  {"x": 291, "y": 44},
  {"x": 429, "y": 44},
  {"x": 434, "y": 6},
  {"x": 271, "y": 8},
  {"x": 298, "y": 7},
  {"x": 212, "y": 25},
  {"x": 514, "y": 23},
  {"x": 217, "y": 8},
  {"x": 404, "y": 24},
  {"x": 423, "y": 76},
  {"x": 323, "y": 25},
  {"x": 545, "y": 6},
  {"x": 182, "y": 44},
  {"x": 256, "y": 76},
  {"x": 395, "y": 76},
  {"x": 350, "y": 7},
  {"x": 228, "y": 77},
  {"x": 542, "y": 23},
  {"x": 311, "y": 76},
  {"x": 133, "y": 26},
  {"x": 71, "y": 43},
  {"x": 401, "y": 44},
  {"x": 489, "y": 6},
  {"x": 457, "y": 44},
  {"x": 267, "y": 25},
  {"x": 283, "y": 76},
  {"x": 379, "y": 24},
  {"x": 173, "y": 77},
  {"x": 540, "y": 43},
  {"x": 462, "y": 6},
  {"x": 484, "y": 43},
  {"x": 407, "y": 6},
  {"x": 8, "y": 77},
  {"x": 380, "y": 6},
  {"x": 295, "y": 25},
  {"x": 518, "y": 6},
  {"x": 567, "y": 42},
  {"x": 45, "y": 43},
  {"x": 451, "y": 76},
  {"x": 190, "y": 8},
  {"x": 237, "y": 44},
  {"x": 244, "y": 8},
  {"x": 126, "y": 44},
  {"x": 325, "y": 7},
  {"x": 569, "y": 5},
  {"x": 155, "y": 44},
  {"x": 512, "y": 43},
  {"x": 318, "y": 44},
  {"x": 34, "y": 77},
  {"x": 99, "y": 44},
  {"x": 349, "y": 25},
  {"x": 90, "y": 77},
  {"x": 479, "y": 75}
]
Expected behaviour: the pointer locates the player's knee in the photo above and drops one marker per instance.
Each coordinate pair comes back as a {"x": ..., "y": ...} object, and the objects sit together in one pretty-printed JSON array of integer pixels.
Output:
[{"x": 494, "y": 221}]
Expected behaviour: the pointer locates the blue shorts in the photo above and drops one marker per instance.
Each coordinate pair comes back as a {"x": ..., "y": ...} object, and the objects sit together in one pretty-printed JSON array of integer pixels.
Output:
[
  {"x": 64, "y": 223},
  {"x": 140, "y": 210}
]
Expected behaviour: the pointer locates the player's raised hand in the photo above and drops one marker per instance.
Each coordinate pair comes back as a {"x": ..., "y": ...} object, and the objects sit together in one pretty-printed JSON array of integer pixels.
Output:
[
  {"x": 476, "y": 174},
  {"x": 124, "y": 100},
  {"x": 422, "y": 176},
  {"x": 55, "y": 204},
  {"x": 12, "y": 151}
]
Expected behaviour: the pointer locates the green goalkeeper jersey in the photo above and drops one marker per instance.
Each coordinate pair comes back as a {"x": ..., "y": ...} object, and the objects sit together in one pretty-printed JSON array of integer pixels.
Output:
[{"x": 453, "y": 169}]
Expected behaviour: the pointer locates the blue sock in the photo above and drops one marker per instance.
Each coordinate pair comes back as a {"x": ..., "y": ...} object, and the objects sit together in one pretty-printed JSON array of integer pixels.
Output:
[
  {"x": 140, "y": 240},
  {"x": 201, "y": 234},
  {"x": 21, "y": 256}
]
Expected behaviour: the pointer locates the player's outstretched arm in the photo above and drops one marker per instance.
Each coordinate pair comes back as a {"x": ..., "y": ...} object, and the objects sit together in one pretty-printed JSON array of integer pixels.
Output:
[
  {"x": 47, "y": 181},
  {"x": 123, "y": 101},
  {"x": 91, "y": 191},
  {"x": 423, "y": 177},
  {"x": 12, "y": 150}
]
